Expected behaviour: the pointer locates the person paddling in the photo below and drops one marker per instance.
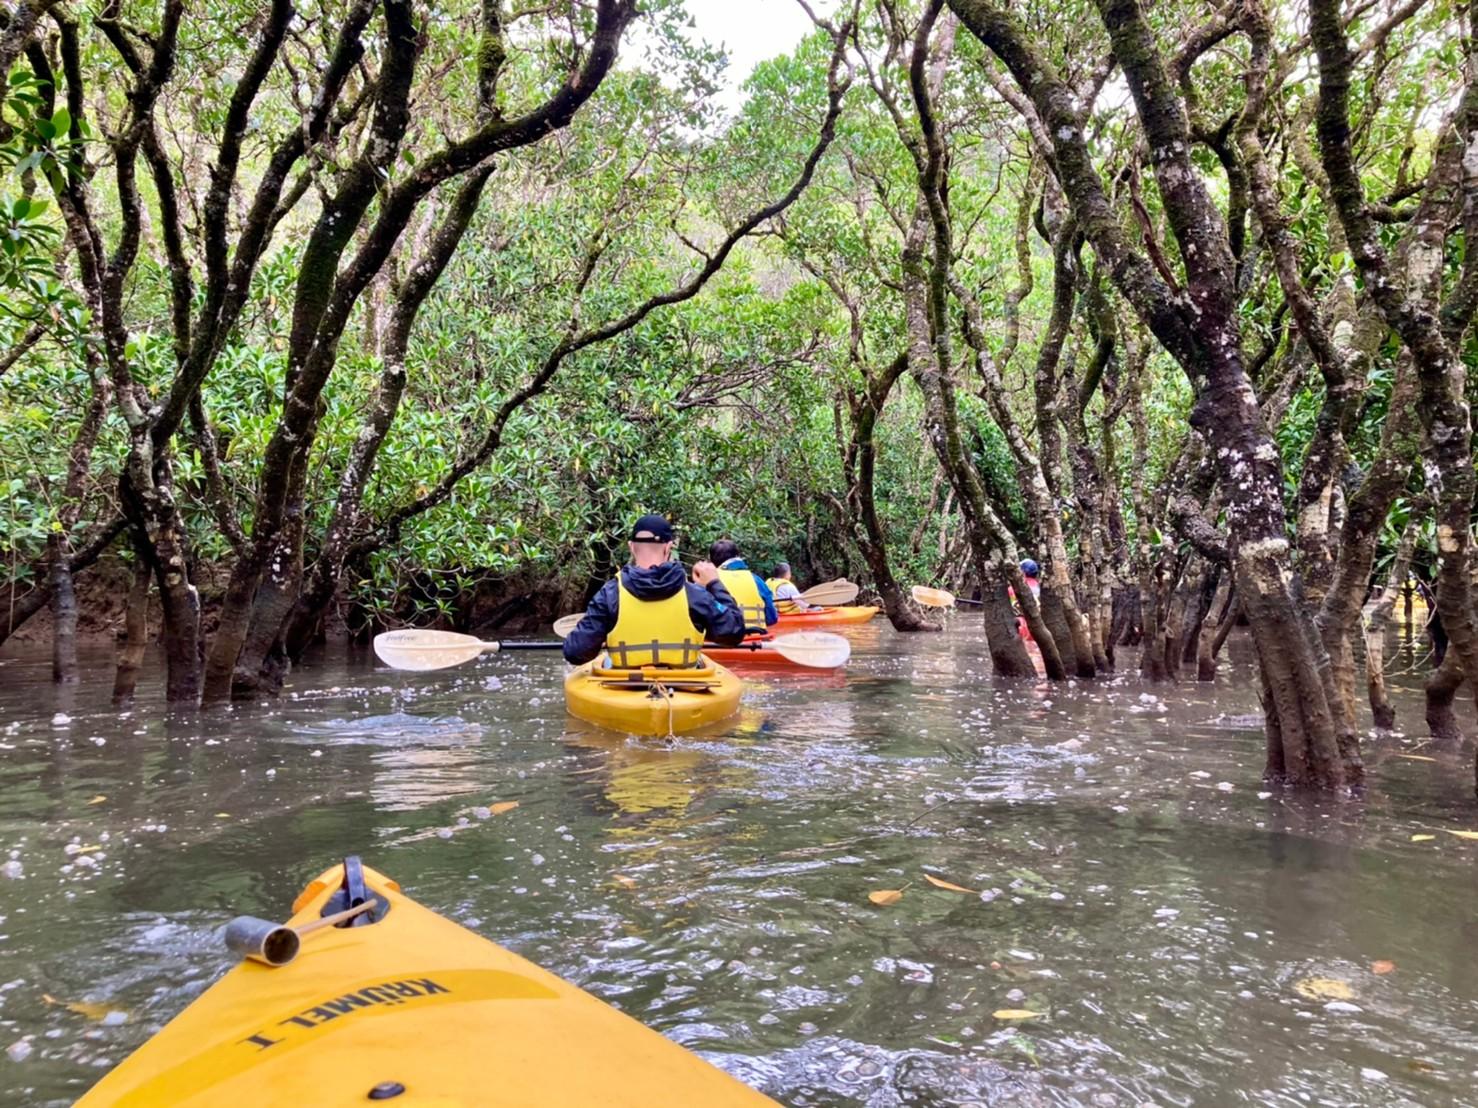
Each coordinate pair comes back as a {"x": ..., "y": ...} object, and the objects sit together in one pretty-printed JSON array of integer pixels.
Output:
[
  {"x": 747, "y": 588},
  {"x": 650, "y": 614},
  {"x": 787, "y": 597}
]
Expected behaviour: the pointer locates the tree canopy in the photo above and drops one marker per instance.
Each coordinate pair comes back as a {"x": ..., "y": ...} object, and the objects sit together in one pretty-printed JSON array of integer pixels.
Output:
[{"x": 345, "y": 310}]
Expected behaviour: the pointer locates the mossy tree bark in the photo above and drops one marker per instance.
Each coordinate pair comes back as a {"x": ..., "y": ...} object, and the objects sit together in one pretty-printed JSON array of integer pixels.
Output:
[
  {"x": 1376, "y": 616},
  {"x": 1431, "y": 325},
  {"x": 864, "y": 396},
  {"x": 349, "y": 543},
  {"x": 926, "y": 314},
  {"x": 67, "y": 513},
  {"x": 1197, "y": 323}
]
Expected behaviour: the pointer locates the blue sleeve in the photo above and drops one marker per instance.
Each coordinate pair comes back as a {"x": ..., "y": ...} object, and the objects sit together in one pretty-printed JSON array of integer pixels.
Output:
[
  {"x": 772, "y": 616},
  {"x": 588, "y": 639},
  {"x": 714, "y": 612}
]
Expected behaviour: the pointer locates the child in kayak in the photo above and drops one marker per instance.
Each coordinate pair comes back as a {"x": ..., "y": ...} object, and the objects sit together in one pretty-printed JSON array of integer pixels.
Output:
[{"x": 787, "y": 596}]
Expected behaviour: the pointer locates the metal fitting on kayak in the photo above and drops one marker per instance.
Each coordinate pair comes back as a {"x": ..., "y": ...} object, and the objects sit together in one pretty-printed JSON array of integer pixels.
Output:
[{"x": 262, "y": 940}]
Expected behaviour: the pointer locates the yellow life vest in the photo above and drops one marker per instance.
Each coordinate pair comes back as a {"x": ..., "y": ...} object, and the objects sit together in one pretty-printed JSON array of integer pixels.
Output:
[
  {"x": 746, "y": 594},
  {"x": 781, "y": 605},
  {"x": 653, "y": 632}
]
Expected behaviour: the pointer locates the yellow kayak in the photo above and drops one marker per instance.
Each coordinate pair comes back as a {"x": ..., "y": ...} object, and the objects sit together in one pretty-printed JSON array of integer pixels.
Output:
[
  {"x": 402, "y": 1004},
  {"x": 651, "y": 701}
]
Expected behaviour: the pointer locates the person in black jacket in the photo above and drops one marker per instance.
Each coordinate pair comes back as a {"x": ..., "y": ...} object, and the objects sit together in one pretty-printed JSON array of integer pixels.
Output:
[{"x": 656, "y": 628}]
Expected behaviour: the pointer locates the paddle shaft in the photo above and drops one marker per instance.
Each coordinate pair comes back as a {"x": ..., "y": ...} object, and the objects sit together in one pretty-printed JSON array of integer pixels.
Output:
[
  {"x": 336, "y": 918},
  {"x": 556, "y": 645},
  {"x": 552, "y": 644},
  {"x": 422, "y": 651}
]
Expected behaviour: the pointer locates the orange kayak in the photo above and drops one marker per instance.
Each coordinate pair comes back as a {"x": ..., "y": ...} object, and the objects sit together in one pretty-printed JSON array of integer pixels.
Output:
[
  {"x": 818, "y": 616},
  {"x": 745, "y": 656}
]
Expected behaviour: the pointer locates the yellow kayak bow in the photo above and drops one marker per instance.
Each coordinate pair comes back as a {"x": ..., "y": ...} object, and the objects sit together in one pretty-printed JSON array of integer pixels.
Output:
[{"x": 401, "y": 1004}]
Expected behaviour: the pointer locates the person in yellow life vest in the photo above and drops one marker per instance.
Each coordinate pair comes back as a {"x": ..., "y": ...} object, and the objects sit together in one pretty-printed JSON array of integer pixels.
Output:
[
  {"x": 651, "y": 615},
  {"x": 787, "y": 597},
  {"x": 748, "y": 589}
]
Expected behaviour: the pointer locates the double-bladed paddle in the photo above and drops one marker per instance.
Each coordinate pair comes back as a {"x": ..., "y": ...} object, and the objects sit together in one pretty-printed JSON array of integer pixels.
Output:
[
  {"x": 416, "y": 650},
  {"x": 831, "y": 594},
  {"x": 926, "y": 597}
]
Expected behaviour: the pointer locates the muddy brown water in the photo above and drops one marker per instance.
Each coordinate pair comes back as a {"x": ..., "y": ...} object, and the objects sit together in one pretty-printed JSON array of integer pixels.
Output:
[{"x": 1162, "y": 912}]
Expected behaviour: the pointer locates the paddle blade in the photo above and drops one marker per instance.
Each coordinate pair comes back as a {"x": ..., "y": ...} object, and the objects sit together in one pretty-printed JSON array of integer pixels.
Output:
[
  {"x": 817, "y": 649},
  {"x": 832, "y": 593},
  {"x": 565, "y": 624},
  {"x": 932, "y": 598},
  {"x": 423, "y": 650}
]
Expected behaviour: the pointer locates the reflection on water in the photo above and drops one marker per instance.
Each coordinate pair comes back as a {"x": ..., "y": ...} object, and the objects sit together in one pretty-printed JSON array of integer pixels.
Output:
[
  {"x": 1129, "y": 880},
  {"x": 410, "y": 780},
  {"x": 640, "y": 775},
  {"x": 396, "y": 729}
]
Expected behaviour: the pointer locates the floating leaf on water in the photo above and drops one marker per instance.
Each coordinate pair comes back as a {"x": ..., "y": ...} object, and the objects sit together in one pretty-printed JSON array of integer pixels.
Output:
[
  {"x": 502, "y": 806},
  {"x": 1422, "y": 838},
  {"x": 1026, "y": 1047},
  {"x": 884, "y": 897},
  {"x": 1016, "y": 1014},
  {"x": 89, "y": 1008},
  {"x": 98, "y": 799},
  {"x": 1382, "y": 967},
  {"x": 624, "y": 881},
  {"x": 1462, "y": 834},
  {"x": 939, "y": 883},
  {"x": 1323, "y": 988}
]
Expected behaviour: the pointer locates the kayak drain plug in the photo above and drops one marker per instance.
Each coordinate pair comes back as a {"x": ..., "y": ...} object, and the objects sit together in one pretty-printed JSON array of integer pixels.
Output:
[{"x": 386, "y": 1089}]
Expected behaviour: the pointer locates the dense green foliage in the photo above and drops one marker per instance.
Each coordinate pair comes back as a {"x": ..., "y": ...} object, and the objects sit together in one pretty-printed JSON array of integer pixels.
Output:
[{"x": 734, "y": 411}]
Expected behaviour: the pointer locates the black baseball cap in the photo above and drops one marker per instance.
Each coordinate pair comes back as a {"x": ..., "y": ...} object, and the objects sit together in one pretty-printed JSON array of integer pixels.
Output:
[{"x": 651, "y": 528}]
